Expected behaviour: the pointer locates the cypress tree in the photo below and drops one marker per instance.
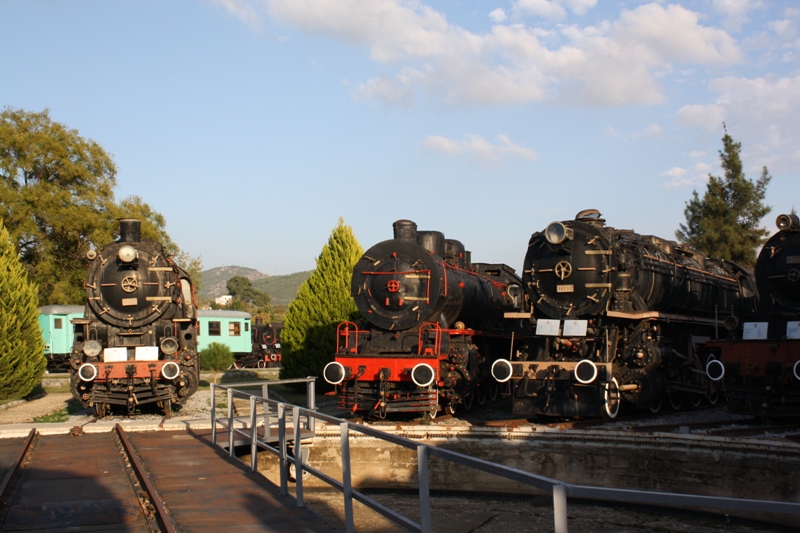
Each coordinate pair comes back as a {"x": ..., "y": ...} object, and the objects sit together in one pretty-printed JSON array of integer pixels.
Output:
[
  {"x": 22, "y": 360},
  {"x": 308, "y": 339},
  {"x": 725, "y": 223}
]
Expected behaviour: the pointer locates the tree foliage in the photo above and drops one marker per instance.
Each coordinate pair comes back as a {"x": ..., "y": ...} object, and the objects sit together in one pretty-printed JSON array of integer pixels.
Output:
[
  {"x": 216, "y": 358},
  {"x": 22, "y": 360},
  {"x": 308, "y": 339},
  {"x": 57, "y": 201},
  {"x": 246, "y": 297},
  {"x": 725, "y": 223}
]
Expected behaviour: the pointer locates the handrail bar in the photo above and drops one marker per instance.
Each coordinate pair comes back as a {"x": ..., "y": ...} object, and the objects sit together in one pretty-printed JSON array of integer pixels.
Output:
[{"x": 560, "y": 490}]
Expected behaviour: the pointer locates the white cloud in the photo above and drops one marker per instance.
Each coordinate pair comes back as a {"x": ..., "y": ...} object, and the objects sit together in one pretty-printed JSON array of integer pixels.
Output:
[
  {"x": 764, "y": 112},
  {"x": 479, "y": 149},
  {"x": 681, "y": 178},
  {"x": 498, "y": 15},
  {"x": 650, "y": 132},
  {"x": 550, "y": 9},
  {"x": 736, "y": 12},
  {"x": 244, "y": 10},
  {"x": 613, "y": 63}
]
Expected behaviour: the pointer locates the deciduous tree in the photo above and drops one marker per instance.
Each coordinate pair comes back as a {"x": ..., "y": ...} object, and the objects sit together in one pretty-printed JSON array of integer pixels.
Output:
[
  {"x": 22, "y": 360},
  {"x": 725, "y": 223},
  {"x": 308, "y": 339},
  {"x": 57, "y": 201}
]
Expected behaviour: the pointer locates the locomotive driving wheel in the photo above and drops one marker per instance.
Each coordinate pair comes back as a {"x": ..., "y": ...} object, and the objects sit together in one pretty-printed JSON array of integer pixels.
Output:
[
  {"x": 612, "y": 398},
  {"x": 101, "y": 409}
]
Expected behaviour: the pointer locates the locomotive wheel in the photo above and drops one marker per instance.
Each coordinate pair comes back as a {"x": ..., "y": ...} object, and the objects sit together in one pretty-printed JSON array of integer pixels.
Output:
[
  {"x": 433, "y": 412},
  {"x": 469, "y": 399},
  {"x": 695, "y": 399},
  {"x": 611, "y": 399},
  {"x": 262, "y": 363},
  {"x": 450, "y": 409},
  {"x": 655, "y": 407},
  {"x": 675, "y": 399},
  {"x": 493, "y": 388},
  {"x": 713, "y": 396},
  {"x": 101, "y": 409},
  {"x": 237, "y": 365},
  {"x": 481, "y": 393}
]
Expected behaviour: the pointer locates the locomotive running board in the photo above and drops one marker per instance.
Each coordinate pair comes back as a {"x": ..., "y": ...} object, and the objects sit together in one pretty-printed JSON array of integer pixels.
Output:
[{"x": 664, "y": 316}]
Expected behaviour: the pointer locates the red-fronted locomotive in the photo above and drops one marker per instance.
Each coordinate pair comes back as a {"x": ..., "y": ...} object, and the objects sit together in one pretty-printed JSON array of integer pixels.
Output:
[
  {"x": 137, "y": 341},
  {"x": 759, "y": 369},
  {"x": 434, "y": 324},
  {"x": 618, "y": 316}
]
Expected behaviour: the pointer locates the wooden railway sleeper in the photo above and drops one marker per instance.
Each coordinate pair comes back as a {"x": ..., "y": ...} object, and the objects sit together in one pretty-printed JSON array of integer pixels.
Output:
[{"x": 10, "y": 483}]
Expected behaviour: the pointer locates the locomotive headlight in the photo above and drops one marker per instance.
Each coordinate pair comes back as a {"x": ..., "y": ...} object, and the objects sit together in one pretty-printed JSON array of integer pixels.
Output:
[
  {"x": 87, "y": 372},
  {"x": 92, "y": 348},
  {"x": 585, "y": 371},
  {"x": 785, "y": 222},
  {"x": 556, "y": 233},
  {"x": 333, "y": 373},
  {"x": 502, "y": 370},
  {"x": 715, "y": 370},
  {"x": 127, "y": 254},
  {"x": 170, "y": 370},
  {"x": 796, "y": 370},
  {"x": 423, "y": 375},
  {"x": 169, "y": 345}
]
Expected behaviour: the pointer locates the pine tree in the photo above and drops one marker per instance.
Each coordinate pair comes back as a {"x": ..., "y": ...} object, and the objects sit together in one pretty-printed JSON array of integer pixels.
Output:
[
  {"x": 725, "y": 223},
  {"x": 22, "y": 360},
  {"x": 308, "y": 339}
]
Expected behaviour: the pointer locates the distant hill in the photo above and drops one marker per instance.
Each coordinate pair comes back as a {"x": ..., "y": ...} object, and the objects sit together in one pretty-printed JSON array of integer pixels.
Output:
[{"x": 282, "y": 289}]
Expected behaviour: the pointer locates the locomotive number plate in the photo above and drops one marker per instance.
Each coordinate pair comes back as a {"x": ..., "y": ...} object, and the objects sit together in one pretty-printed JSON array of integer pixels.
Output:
[
  {"x": 565, "y": 288},
  {"x": 130, "y": 301},
  {"x": 793, "y": 259}
]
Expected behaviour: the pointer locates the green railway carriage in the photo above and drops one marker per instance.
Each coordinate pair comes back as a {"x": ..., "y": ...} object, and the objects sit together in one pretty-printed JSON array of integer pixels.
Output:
[
  {"x": 231, "y": 328},
  {"x": 58, "y": 333}
]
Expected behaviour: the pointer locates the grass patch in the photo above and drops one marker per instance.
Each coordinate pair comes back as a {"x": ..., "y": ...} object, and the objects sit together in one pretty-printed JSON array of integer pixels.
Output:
[{"x": 62, "y": 415}]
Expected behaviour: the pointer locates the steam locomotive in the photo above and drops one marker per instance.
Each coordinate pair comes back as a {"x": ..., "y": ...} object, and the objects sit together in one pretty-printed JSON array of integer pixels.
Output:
[
  {"x": 266, "y": 343},
  {"x": 137, "y": 341},
  {"x": 434, "y": 324},
  {"x": 618, "y": 316},
  {"x": 760, "y": 364}
]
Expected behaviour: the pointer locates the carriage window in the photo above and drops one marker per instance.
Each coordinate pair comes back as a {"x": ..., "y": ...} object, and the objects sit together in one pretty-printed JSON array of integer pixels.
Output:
[
  {"x": 57, "y": 323},
  {"x": 214, "y": 329},
  {"x": 234, "y": 329},
  {"x": 246, "y": 327}
]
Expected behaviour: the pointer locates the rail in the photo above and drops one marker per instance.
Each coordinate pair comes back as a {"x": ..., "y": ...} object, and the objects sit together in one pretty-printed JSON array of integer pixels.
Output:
[{"x": 285, "y": 414}]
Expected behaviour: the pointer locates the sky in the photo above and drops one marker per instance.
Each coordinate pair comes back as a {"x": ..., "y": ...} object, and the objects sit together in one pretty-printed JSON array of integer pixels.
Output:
[{"x": 254, "y": 125}]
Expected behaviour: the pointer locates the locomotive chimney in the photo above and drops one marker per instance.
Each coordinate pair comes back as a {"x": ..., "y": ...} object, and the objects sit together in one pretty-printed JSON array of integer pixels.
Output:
[
  {"x": 405, "y": 230},
  {"x": 130, "y": 230}
]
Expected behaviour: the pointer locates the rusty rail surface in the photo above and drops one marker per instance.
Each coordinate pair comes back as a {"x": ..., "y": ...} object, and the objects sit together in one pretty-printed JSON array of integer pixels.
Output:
[
  {"x": 277, "y": 416},
  {"x": 141, "y": 472}
]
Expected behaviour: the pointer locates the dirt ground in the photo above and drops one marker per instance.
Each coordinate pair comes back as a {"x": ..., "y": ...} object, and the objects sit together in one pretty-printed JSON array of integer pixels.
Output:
[{"x": 24, "y": 411}]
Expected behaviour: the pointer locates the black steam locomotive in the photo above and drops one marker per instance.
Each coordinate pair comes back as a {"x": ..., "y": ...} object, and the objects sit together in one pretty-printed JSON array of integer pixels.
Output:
[
  {"x": 618, "y": 316},
  {"x": 434, "y": 324},
  {"x": 266, "y": 341},
  {"x": 761, "y": 363},
  {"x": 137, "y": 341}
]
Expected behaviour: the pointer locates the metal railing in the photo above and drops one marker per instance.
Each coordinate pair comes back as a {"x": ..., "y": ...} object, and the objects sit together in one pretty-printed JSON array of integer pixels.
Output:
[{"x": 304, "y": 418}]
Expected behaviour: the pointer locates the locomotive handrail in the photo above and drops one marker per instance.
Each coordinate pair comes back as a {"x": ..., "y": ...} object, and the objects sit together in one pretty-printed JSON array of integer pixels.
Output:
[
  {"x": 346, "y": 334},
  {"x": 285, "y": 413}
]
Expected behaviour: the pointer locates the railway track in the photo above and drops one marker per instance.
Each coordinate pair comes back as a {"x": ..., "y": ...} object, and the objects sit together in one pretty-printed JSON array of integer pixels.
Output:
[
  {"x": 156, "y": 481},
  {"x": 91, "y": 482}
]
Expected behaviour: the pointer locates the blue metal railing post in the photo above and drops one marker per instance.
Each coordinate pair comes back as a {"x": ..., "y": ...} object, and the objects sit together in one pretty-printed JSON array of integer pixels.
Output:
[
  {"x": 284, "y": 466},
  {"x": 253, "y": 436},
  {"x": 298, "y": 458},
  {"x": 214, "y": 413},
  {"x": 347, "y": 487},
  {"x": 424, "y": 489},
  {"x": 230, "y": 422},
  {"x": 560, "y": 508}
]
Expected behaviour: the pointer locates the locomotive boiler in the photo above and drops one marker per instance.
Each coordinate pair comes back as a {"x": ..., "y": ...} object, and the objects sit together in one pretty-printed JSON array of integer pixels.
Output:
[
  {"x": 434, "y": 322},
  {"x": 137, "y": 341},
  {"x": 618, "y": 315},
  {"x": 758, "y": 367}
]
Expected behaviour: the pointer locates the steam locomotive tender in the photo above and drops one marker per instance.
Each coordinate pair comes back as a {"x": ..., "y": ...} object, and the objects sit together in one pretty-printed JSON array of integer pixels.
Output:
[
  {"x": 434, "y": 325},
  {"x": 618, "y": 316},
  {"x": 760, "y": 373},
  {"x": 138, "y": 340}
]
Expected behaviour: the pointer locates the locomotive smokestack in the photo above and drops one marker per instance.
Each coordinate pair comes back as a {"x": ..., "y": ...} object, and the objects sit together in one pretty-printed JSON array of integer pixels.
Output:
[
  {"x": 130, "y": 230},
  {"x": 405, "y": 230}
]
